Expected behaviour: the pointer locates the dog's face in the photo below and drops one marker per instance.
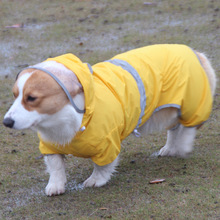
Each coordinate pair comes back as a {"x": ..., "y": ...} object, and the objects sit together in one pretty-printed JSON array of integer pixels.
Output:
[{"x": 38, "y": 97}]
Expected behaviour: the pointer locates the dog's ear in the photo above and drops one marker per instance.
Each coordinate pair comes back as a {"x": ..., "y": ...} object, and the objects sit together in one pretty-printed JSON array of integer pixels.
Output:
[
  {"x": 71, "y": 83},
  {"x": 69, "y": 80},
  {"x": 75, "y": 89}
]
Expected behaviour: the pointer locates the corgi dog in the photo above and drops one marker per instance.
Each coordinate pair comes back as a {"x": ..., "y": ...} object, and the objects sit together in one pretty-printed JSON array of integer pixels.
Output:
[{"x": 87, "y": 111}]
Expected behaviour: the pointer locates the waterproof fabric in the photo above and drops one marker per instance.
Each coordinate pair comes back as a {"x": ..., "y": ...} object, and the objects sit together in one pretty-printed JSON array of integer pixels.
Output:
[{"x": 172, "y": 77}]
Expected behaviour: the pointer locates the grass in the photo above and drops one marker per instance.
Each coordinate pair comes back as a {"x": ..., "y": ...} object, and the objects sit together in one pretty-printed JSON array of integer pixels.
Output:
[{"x": 95, "y": 31}]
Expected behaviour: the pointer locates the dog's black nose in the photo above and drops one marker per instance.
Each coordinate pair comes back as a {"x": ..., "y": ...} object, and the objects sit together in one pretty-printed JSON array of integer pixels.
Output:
[{"x": 8, "y": 122}]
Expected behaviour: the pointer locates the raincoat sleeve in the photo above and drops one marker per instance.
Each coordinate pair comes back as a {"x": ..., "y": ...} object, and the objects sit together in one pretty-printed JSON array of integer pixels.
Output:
[
  {"x": 111, "y": 147},
  {"x": 46, "y": 150}
]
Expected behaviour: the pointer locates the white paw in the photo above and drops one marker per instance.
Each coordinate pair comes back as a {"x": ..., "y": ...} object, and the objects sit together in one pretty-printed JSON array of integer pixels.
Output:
[
  {"x": 164, "y": 151},
  {"x": 53, "y": 189},
  {"x": 101, "y": 174},
  {"x": 173, "y": 152},
  {"x": 94, "y": 181}
]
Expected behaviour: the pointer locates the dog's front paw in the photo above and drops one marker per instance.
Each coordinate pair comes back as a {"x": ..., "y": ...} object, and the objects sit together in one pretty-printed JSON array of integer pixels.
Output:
[
  {"x": 94, "y": 181},
  {"x": 53, "y": 189}
]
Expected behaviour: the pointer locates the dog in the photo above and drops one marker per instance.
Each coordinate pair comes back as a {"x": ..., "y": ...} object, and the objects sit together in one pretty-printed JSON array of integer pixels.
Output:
[{"x": 87, "y": 111}]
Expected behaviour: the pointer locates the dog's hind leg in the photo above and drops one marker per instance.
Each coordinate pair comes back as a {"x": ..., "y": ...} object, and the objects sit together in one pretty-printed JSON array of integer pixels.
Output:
[
  {"x": 101, "y": 174},
  {"x": 179, "y": 142}
]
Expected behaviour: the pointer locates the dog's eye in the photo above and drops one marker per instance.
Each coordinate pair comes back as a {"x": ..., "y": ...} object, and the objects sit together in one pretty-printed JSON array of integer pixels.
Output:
[{"x": 31, "y": 98}]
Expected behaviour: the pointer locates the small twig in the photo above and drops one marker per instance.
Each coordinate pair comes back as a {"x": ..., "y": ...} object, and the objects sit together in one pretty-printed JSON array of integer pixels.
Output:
[{"x": 93, "y": 212}]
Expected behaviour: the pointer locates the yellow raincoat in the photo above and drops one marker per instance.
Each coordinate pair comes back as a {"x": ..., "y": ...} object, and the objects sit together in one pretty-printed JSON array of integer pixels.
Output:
[{"x": 122, "y": 93}]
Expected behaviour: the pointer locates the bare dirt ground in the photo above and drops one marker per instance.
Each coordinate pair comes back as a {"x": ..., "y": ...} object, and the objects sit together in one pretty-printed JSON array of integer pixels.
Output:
[{"x": 30, "y": 32}]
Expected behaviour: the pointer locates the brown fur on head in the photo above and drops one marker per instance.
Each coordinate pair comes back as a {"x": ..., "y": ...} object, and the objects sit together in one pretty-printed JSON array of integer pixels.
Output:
[{"x": 43, "y": 94}]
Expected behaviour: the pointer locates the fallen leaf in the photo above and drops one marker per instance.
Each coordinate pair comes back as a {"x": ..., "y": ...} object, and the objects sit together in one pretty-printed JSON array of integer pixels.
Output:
[
  {"x": 157, "y": 181},
  {"x": 15, "y": 26},
  {"x": 103, "y": 208}
]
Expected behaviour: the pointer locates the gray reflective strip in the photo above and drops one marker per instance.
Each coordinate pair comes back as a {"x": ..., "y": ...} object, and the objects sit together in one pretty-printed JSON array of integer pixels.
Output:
[
  {"x": 60, "y": 83},
  {"x": 196, "y": 56},
  {"x": 126, "y": 66},
  {"x": 90, "y": 68},
  {"x": 167, "y": 106}
]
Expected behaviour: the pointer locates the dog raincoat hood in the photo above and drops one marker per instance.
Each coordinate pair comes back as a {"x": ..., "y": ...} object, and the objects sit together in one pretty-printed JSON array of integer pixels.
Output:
[{"x": 122, "y": 93}]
